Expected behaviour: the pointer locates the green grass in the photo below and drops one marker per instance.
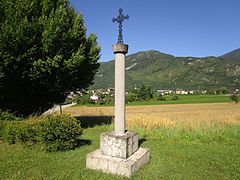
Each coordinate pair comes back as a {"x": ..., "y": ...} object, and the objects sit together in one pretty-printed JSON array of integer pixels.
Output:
[
  {"x": 175, "y": 154},
  {"x": 183, "y": 99},
  {"x": 187, "y": 99}
]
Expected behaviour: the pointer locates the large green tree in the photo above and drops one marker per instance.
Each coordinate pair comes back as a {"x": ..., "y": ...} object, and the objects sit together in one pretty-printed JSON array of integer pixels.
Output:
[{"x": 44, "y": 54}]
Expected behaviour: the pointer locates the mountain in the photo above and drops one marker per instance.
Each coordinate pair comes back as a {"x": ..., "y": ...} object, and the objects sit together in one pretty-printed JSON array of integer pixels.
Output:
[
  {"x": 163, "y": 71},
  {"x": 235, "y": 54}
]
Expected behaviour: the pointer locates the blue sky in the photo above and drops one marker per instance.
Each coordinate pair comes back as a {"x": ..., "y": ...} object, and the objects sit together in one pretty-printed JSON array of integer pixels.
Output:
[{"x": 178, "y": 27}]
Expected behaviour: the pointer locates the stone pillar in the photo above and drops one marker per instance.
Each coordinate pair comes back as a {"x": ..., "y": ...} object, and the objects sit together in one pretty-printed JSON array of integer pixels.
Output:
[
  {"x": 119, "y": 151},
  {"x": 120, "y": 51}
]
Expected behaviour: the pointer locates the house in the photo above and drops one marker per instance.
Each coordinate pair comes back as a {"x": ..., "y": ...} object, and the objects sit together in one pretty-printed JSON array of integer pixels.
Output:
[
  {"x": 164, "y": 92},
  {"x": 94, "y": 97},
  {"x": 181, "y": 92}
]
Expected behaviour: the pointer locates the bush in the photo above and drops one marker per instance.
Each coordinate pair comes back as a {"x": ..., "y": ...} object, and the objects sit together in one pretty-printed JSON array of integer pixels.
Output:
[
  {"x": 23, "y": 132},
  {"x": 10, "y": 131},
  {"x": 2, "y": 127},
  {"x": 131, "y": 97},
  {"x": 175, "y": 98},
  {"x": 53, "y": 132},
  {"x": 161, "y": 98},
  {"x": 84, "y": 98},
  {"x": 6, "y": 116},
  {"x": 59, "y": 132},
  {"x": 235, "y": 98}
]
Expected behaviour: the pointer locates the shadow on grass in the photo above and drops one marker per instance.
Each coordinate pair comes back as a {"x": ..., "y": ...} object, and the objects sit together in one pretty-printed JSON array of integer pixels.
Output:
[
  {"x": 83, "y": 142},
  {"x": 91, "y": 121},
  {"x": 140, "y": 141}
]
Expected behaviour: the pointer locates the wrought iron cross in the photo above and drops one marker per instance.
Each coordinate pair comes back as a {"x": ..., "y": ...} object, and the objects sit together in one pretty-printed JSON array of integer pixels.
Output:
[{"x": 120, "y": 20}]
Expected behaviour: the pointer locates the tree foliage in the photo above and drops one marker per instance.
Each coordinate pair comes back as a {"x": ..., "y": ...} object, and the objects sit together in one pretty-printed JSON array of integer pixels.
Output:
[
  {"x": 235, "y": 98},
  {"x": 175, "y": 98},
  {"x": 145, "y": 93},
  {"x": 44, "y": 54}
]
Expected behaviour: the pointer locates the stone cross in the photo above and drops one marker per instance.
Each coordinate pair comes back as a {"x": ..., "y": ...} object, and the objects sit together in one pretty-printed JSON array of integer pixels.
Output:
[
  {"x": 120, "y": 20},
  {"x": 119, "y": 152}
]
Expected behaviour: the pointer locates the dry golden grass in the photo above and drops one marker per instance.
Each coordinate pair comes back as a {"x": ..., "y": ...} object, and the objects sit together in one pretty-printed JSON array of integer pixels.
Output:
[{"x": 186, "y": 115}]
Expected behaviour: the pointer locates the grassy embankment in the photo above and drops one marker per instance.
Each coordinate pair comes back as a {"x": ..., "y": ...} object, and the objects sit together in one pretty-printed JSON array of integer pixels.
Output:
[{"x": 192, "y": 141}]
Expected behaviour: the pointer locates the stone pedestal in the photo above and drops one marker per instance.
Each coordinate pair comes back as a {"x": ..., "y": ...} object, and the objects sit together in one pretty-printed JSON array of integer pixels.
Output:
[
  {"x": 124, "y": 167},
  {"x": 118, "y": 154},
  {"x": 121, "y": 146}
]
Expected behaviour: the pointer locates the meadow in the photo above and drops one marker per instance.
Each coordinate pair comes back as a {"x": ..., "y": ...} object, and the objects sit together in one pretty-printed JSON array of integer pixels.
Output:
[
  {"x": 186, "y": 99},
  {"x": 187, "y": 141},
  {"x": 183, "y": 99}
]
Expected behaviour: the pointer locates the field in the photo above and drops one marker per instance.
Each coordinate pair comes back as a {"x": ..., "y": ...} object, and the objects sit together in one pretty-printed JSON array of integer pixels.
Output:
[
  {"x": 187, "y": 141},
  {"x": 183, "y": 99},
  {"x": 187, "y": 99},
  {"x": 180, "y": 115}
]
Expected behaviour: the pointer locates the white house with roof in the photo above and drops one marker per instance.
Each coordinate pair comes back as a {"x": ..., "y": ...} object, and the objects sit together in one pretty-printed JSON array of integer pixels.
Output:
[{"x": 94, "y": 97}]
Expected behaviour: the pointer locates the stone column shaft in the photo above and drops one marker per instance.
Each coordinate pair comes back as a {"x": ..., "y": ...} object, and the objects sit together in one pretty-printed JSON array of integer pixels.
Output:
[{"x": 120, "y": 50}]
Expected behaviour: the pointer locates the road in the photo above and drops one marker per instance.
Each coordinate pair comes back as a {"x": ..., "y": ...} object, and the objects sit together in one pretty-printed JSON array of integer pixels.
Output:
[{"x": 56, "y": 108}]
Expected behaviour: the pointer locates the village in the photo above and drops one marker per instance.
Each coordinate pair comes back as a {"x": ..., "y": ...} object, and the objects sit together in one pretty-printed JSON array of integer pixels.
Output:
[{"x": 99, "y": 95}]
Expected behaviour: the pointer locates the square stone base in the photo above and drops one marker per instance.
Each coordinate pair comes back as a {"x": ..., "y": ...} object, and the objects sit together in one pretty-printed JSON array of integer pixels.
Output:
[
  {"x": 125, "y": 167},
  {"x": 121, "y": 146}
]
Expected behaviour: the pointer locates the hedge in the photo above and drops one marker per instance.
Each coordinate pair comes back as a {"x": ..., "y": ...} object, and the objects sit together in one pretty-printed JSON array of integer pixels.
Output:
[{"x": 52, "y": 132}]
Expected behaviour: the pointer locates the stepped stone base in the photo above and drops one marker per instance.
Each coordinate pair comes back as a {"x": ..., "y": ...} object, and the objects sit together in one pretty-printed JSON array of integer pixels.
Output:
[{"x": 120, "y": 166}]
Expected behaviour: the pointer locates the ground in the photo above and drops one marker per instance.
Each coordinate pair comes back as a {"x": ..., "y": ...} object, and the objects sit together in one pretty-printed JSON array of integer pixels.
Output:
[{"x": 190, "y": 141}]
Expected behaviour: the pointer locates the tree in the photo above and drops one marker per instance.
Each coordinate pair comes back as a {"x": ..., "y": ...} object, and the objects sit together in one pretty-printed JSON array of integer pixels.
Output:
[
  {"x": 145, "y": 93},
  {"x": 131, "y": 97},
  {"x": 175, "y": 98},
  {"x": 83, "y": 98},
  {"x": 235, "y": 98},
  {"x": 161, "y": 98},
  {"x": 44, "y": 54}
]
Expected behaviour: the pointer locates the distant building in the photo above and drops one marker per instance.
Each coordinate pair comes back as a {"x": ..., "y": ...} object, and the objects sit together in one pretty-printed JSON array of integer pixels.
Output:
[
  {"x": 94, "y": 97},
  {"x": 164, "y": 91},
  {"x": 110, "y": 90},
  {"x": 191, "y": 92},
  {"x": 181, "y": 92}
]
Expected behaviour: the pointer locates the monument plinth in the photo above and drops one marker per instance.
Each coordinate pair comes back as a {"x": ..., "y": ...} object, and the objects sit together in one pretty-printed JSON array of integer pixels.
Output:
[{"x": 119, "y": 151}]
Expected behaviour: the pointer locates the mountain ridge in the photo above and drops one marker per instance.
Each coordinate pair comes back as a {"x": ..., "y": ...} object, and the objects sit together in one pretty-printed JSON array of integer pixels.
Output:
[
  {"x": 162, "y": 71},
  {"x": 235, "y": 54}
]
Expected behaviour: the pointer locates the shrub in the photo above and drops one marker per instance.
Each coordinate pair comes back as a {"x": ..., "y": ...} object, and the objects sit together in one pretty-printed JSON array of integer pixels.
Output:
[
  {"x": 84, "y": 98},
  {"x": 175, "y": 98},
  {"x": 53, "y": 132},
  {"x": 6, "y": 116},
  {"x": 2, "y": 127},
  {"x": 10, "y": 131},
  {"x": 235, "y": 98},
  {"x": 24, "y": 132},
  {"x": 59, "y": 132},
  {"x": 131, "y": 97},
  {"x": 161, "y": 98}
]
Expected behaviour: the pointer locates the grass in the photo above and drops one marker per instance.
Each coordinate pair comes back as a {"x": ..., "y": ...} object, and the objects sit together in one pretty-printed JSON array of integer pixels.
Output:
[
  {"x": 171, "y": 158},
  {"x": 196, "y": 141},
  {"x": 183, "y": 99},
  {"x": 186, "y": 99}
]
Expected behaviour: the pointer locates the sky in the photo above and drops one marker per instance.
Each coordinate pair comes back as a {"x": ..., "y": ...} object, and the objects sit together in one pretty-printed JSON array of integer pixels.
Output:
[{"x": 196, "y": 28}]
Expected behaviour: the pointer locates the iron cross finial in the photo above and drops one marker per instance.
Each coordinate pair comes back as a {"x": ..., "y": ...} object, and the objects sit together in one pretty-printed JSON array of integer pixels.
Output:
[{"x": 120, "y": 20}]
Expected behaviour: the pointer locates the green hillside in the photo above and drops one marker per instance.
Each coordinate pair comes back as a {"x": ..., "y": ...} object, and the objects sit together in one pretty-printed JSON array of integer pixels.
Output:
[
  {"x": 163, "y": 71},
  {"x": 235, "y": 54}
]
